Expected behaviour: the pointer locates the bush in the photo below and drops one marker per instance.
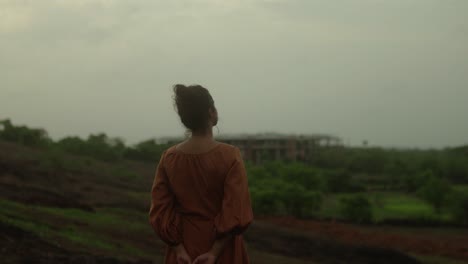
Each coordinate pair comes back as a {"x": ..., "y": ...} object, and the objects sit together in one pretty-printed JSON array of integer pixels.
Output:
[
  {"x": 341, "y": 182},
  {"x": 277, "y": 197},
  {"x": 414, "y": 182},
  {"x": 312, "y": 202},
  {"x": 148, "y": 150},
  {"x": 298, "y": 201},
  {"x": 356, "y": 208},
  {"x": 459, "y": 207},
  {"x": 52, "y": 160},
  {"x": 436, "y": 191},
  {"x": 265, "y": 201},
  {"x": 99, "y": 146}
]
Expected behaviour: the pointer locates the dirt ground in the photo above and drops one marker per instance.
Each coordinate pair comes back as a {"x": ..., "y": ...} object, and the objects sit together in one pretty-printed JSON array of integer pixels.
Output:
[
  {"x": 20, "y": 247},
  {"x": 435, "y": 242}
]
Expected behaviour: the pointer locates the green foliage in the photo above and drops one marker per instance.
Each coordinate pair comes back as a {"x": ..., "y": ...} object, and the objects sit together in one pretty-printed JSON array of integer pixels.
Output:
[
  {"x": 123, "y": 173},
  {"x": 23, "y": 135},
  {"x": 341, "y": 181},
  {"x": 356, "y": 208},
  {"x": 386, "y": 168},
  {"x": 415, "y": 182},
  {"x": 456, "y": 168},
  {"x": 459, "y": 207},
  {"x": 311, "y": 202},
  {"x": 288, "y": 187},
  {"x": 148, "y": 150},
  {"x": 105, "y": 230},
  {"x": 98, "y": 146},
  {"x": 102, "y": 147},
  {"x": 288, "y": 199},
  {"x": 397, "y": 205},
  {"x": 292, "y": 189},
  {"x": 435, "y": 191},
  {"x": 52, "y": 160},
  {"x": 299, "y": 201},
  {"x": 330, "y": 158},
  {"x": 265, "y": 201},
  {"x": 370, "y": 160}
]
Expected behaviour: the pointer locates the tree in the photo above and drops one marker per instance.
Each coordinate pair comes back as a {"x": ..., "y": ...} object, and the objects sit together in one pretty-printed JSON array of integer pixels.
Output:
[
  {"x": 414, "y": 182},
  {"x": 436, "y": 192},
  {"x": 98, "y": 146},
  {"x": 265, "y": 201},
  {"x": 341, "y": 181},
  {"x": 370, "y": 160},
  {"x": 23, "y": 135},
  {"x": 148, "y": 150},
  {"x": 298, "y": 201},
  {"x": 457, "y": 168},
  {"x": 309, "y": 178},
  {"x": 459, "y": 207}
]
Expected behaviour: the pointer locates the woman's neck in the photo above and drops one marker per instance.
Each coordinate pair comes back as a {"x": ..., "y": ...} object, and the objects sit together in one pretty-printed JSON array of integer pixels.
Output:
[{"x": 206, "y": 134}]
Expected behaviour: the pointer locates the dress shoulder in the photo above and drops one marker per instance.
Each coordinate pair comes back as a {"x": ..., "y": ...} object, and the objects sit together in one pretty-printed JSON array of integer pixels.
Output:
[{"x": 229, "y": 147}]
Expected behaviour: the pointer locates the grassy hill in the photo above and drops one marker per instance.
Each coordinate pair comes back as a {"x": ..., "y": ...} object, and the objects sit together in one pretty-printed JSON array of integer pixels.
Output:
[{"x": 61, "y": 208}]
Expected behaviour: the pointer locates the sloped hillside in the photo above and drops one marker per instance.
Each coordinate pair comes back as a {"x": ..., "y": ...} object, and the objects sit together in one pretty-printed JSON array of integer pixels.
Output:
[{"x": 60, "y": 208}]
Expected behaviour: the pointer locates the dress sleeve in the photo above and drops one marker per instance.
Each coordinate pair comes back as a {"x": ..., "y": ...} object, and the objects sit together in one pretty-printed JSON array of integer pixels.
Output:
[
  {"x": 163, "y": 217},
  {"x": 236, "y": 212}
]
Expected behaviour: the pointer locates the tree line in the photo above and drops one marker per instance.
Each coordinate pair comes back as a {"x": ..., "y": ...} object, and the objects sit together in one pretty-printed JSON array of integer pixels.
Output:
[
  {"x": 98, "y": 146},
  {"x": 297, "y": 189}
]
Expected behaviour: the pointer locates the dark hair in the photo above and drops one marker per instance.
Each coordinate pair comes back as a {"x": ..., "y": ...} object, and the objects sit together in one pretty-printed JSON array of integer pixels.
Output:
[{"x": 193, "y": 104}]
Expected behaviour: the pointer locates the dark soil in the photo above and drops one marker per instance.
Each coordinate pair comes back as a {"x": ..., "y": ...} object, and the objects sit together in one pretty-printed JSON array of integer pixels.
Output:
[
  {"x": 20, "y": 247},
  {"x": 284, "y": 242},
  {"x": 453, "y": 245}
]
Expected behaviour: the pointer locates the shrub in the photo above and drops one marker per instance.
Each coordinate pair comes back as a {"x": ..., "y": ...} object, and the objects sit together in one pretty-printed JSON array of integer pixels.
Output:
[
  {"x": 298, "y": 201},
  {"x": 340, "y": 182},
  {"x": 435, "y": 191},
  {"x": 265, "y": 201},
  {"x": 356, "y": 208},
  {"x": 414, "y": 182},
  {"x": 52, "y": 160},
  {"x": 459, "y": 207},
  {"x": 312, "y": 202}
]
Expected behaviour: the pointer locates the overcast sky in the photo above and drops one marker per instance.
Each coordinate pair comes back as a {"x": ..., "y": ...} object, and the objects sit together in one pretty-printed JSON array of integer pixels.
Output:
[{"x": 393, "y": 72}]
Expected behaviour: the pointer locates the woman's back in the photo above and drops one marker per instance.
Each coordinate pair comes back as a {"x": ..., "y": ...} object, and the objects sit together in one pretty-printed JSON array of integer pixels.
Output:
[
  {"x": 198, "y": 198},
  {"x": 197, "y": 180}
]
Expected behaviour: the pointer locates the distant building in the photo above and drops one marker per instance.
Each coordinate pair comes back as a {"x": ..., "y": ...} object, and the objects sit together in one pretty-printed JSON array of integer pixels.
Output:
[{"x": 257, "y": 148}]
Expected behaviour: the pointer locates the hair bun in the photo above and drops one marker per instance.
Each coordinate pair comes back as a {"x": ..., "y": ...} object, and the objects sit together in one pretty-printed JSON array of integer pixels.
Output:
[
  {"x": 193, "y": 105},
  {"x": 181, "y": 90}
]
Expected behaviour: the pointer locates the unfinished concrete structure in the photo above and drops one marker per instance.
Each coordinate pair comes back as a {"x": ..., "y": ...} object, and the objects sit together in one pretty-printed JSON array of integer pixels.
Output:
[{"x": 257, "y": 148}]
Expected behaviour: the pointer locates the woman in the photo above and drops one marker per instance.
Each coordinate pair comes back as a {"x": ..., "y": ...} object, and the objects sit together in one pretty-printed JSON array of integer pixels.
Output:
[{"x": 200, "y": 199}]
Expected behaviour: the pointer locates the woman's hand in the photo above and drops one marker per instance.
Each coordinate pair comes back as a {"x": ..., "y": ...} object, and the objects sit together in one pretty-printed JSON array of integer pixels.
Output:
[
  {"x": 182, "y": 256},
  {"x": 211, "y": 256},
  {"x": 207, "y": 258}
]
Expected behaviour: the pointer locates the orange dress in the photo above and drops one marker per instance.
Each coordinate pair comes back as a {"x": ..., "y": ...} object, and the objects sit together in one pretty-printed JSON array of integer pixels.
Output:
[{"x": 197, "y": 198}]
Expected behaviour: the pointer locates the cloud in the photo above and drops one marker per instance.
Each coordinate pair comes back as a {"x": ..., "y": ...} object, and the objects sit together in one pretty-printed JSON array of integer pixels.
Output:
[
  {"x": 340, "y": 63},
  {"x": 14, "y": 17}
]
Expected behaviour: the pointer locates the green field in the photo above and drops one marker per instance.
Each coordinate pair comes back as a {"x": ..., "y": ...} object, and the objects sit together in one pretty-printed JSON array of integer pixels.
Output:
[{"x": 386, "y": 205}]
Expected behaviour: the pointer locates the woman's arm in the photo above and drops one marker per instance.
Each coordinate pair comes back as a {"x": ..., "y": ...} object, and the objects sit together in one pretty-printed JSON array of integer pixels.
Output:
[
  {"x": 219, "y": 245},
  {"x": 182, "y": 257},
  {"x": 163, "y": 217}
]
